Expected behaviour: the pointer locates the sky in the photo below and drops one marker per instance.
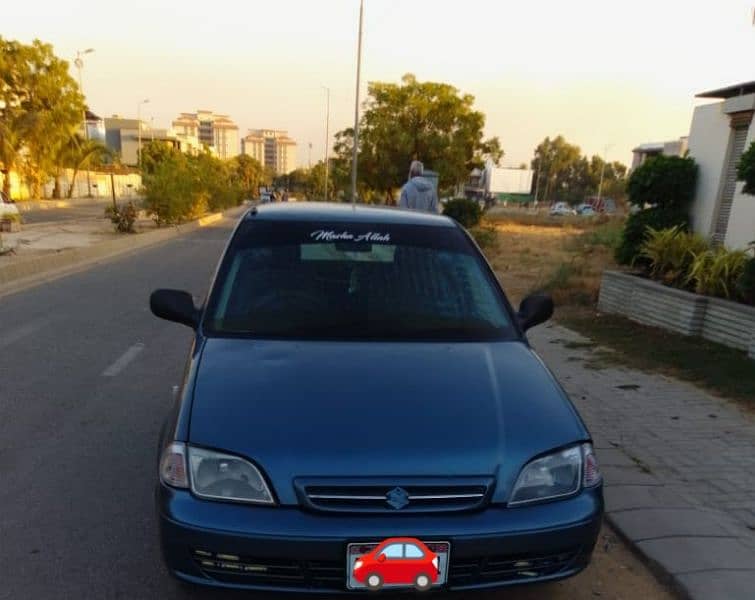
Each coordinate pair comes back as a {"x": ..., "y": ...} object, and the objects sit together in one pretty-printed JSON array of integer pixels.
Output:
[{"x": 606, "y": 74}]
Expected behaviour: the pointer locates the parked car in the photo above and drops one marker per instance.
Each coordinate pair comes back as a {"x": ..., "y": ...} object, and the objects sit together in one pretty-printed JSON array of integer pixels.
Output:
[
  {"x": 561, "y": 209},
  {"x": 7, "y": 207},
  {"x": 398, "y": 562},
  {"x": 358, "y": 373},
  {"x": 586, "y": 210}
]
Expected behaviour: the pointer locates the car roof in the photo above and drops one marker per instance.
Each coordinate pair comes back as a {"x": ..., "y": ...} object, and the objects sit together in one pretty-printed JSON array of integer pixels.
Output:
[{"x": 345, "y": 213}]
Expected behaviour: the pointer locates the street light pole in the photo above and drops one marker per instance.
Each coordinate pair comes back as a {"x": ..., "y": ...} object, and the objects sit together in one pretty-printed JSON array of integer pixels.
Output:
[
  {"x": 603, "y": 171},
  {"x": 327, "y": 141},
  {"x": 356, "y": 108},
  {"x": 79, "y": 62},
  {"x": 139, "y": 119}
]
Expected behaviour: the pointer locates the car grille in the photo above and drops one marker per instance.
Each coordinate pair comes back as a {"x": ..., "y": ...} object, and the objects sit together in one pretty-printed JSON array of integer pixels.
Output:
[
  {"x": 264, "y": 572},
  {"x": 505, "y": 569},
  {"x": 396, "y": 497}
]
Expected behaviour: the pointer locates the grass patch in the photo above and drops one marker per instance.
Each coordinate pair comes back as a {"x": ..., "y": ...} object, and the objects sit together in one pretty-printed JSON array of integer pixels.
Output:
[
  {"x": 486, "y": 236},
  {"x": 720, "y": 369}
]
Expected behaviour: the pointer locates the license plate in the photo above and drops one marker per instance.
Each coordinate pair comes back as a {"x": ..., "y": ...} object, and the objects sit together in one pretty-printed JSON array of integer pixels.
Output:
[{"x": 354, "y": 551}]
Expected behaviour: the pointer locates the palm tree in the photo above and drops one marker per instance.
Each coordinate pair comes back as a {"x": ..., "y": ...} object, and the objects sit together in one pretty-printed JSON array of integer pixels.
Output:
[{"x": 77, "y": 153}]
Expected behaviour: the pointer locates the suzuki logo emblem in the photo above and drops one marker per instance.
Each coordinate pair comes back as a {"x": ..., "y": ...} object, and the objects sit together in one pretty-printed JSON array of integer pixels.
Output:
[{"x": 398, "y": 498}]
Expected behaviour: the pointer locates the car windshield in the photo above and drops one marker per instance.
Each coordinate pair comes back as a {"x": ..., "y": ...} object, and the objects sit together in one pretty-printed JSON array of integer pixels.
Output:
[{"x": 355, "y": 281}]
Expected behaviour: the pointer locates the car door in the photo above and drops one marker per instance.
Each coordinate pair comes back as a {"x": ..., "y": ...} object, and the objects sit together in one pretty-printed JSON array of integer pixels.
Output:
[
  {"x": 392, "y": 568},
  {"x": 414, "y": 561}
]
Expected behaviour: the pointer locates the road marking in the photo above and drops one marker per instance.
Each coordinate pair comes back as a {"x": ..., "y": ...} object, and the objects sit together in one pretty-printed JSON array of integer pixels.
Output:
[
  {"x": 19, "y": 333},
  {"x": 123, "y": 361}
]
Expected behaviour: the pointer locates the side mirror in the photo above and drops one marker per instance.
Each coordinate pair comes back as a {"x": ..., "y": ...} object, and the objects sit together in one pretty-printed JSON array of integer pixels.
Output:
[
  {"x": 535, "y": 309},
  {"x": 381, "y": 558},
  {"x": 174, "y": 305}
]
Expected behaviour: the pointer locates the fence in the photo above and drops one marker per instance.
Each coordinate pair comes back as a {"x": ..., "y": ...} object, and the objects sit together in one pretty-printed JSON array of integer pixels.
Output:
[{"x": 88, "y": 183}]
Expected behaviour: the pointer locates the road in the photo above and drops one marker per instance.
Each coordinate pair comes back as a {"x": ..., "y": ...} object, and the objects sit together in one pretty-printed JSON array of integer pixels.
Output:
[
  {"x": 85, "y": 376},
  {"x": 94, "y": 210}
]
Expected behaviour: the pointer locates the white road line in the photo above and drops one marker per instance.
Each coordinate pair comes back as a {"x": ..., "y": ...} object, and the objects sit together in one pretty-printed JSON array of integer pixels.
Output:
[
  {"x": 19, "y": 333},
  {"x": 123, "y": 361}
]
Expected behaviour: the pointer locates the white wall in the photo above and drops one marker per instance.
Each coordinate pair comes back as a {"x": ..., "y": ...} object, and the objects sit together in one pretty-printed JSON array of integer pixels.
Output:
[
  {"x": 708, "y": 144},
  {"x": 741, "y": 229}
]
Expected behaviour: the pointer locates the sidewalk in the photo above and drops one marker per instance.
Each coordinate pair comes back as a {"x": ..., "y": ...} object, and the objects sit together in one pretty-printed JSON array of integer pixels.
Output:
[{"x": 679, "y": 467}]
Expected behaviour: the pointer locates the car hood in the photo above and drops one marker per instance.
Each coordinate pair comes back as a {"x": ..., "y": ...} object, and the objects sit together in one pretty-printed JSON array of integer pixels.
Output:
[{"x": 363, "y": 409}]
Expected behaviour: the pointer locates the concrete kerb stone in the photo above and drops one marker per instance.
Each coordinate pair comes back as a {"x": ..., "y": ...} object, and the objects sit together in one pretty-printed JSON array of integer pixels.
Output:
[{"x": 17, "y": 275}]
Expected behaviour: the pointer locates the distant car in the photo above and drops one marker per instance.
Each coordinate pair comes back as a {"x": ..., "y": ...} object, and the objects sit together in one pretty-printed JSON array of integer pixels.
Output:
[
  {"x": 561, "y": 209},
  {"x": 7, "y": 207},
  {"x": 586, "y": 210},
  {"x": 266, "y": 197},
  {"x": 398, "y": 561}
]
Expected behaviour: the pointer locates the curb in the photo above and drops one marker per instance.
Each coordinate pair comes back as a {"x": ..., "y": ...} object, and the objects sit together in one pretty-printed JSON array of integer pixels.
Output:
[
  {"x": 28, "y": 205},
  {"x": 17, "y": 276}
]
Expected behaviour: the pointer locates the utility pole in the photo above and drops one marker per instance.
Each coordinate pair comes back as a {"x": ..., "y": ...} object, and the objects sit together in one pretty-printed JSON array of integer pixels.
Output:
[
  {"x": 309, "y": 157},
  {"x": 356, "y": 108},
  {"x": 139, "y": 119},
  {"x": 603, "y": 171},
  {"x": 327, "y": 141},
  {"x": 79, "y": 62}
]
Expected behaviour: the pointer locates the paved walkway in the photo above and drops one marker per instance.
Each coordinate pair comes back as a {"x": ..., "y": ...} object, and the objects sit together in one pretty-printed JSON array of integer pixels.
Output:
[{"x": 679, "y": 466}]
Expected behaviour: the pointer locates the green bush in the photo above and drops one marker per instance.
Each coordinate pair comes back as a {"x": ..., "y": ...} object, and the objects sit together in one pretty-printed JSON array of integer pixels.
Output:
[
  {"x": 629, "y": 250},
  {"x": 485, "y": 236},
  {"x": 122, "y": 217},
  {"x": 746, "y": 170},
  {"x": 670, "y": 252},
  {"x": 466, "y": 212},
  {"x": 746, "y": 283},
  {"x": 180, "y": 187},
  {"x": 666, "y": 182},
  {"x": 716, "y": 272}
]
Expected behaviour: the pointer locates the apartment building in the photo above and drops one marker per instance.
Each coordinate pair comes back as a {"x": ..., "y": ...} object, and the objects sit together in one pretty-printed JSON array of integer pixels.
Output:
[
  {"x": 217, "y": 132},
  {"x": 272, "y": 147}
]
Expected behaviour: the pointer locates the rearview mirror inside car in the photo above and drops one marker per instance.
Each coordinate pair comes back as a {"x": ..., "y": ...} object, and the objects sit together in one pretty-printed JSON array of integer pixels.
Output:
[
  {"x": 535, "y": 309},
  {"x": 174, "y": 305}
]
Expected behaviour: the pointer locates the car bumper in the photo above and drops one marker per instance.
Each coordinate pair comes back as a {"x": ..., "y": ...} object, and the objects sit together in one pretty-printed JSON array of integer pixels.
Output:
[{"x": 287, "y": 549}]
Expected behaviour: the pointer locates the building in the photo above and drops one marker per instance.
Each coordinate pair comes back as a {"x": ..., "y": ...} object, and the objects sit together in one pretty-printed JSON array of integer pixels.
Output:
[
  {"x": 122, "y": 137},
  {"x": 644, "y": 151},
  {"x": 217, "y": 132},
  {"x": 272, "y": 147},
  {"x": 720, "y": 132},
  {"x": 95, "y": 128}
]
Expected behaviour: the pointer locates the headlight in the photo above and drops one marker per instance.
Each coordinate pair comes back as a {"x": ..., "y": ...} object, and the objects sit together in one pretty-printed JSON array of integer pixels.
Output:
[
  {"x": 226, "y": 477},
  {"x": 358, "y": 564},
  {"x": 173, "y": 466},
  {"x": 556, "y": 475}
]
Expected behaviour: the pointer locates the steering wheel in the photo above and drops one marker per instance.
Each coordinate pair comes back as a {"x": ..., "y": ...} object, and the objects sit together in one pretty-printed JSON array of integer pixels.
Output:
[{"x": 292, "y": 299}]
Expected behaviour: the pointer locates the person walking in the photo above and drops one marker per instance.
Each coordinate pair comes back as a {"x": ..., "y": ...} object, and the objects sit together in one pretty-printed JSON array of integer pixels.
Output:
[{"x": 418, "y": 193}]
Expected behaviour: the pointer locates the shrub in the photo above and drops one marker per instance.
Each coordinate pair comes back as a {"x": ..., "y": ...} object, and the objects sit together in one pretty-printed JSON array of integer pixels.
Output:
[
  {"x": 746, "y": 282},
  {"x": 629, "y": 250},
  {"x": 170, "y": 191},
  {"x": 669, "y": 252},
  {"x": 122, "y": 217},
  {"x": 746, "y": 170},
  {"x": 666, "y": 182},
  {"x": 466, "y": 212},
  {"x": 716, "y": 272}
]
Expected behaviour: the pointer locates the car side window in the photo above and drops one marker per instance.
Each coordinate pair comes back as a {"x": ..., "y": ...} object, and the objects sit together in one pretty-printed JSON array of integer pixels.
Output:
[
  {"x": 412, "y": 551},
  {"x": 393, "y": 551}
]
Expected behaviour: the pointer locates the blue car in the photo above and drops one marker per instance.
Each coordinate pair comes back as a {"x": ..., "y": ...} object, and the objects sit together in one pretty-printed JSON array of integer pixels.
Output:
[{"x": 357, "y": 374}]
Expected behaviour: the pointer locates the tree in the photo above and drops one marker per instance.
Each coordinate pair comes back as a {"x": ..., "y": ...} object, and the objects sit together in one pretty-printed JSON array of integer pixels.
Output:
[
  {"x": 250, "y": 174},
  {"x": 40, "y": 109},
  {"x": 555, "y": 164},
  {"x": 746, "y": 170},
  {"x": 664, "y": 181},
  {"x": 431, "y": 122},
  {"x": 565, "y": 174}
]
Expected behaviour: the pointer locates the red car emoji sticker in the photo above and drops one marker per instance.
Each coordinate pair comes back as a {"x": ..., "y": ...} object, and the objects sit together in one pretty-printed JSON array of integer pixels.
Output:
[{"x": 398, "y": 561}]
